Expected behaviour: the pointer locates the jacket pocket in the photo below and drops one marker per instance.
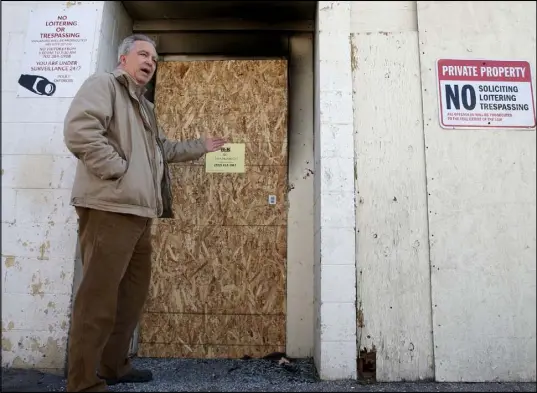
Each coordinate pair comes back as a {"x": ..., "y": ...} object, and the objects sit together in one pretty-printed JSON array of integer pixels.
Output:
[{"x": 134, "y": 187}]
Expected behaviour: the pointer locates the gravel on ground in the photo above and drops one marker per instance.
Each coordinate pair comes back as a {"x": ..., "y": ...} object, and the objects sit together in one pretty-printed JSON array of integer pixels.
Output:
[{"x": 258, "y": 375}]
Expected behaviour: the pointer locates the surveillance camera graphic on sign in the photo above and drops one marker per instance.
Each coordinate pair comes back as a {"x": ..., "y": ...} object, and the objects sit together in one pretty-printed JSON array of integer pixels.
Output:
[{"x": 37, "y": 84}]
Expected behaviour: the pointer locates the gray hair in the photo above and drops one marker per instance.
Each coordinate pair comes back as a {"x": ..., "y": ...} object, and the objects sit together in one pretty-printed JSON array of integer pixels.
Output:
[{"x": 128, "y": 42}]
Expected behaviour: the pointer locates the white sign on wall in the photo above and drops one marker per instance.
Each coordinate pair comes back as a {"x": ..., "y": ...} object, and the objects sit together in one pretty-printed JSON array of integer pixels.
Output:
[
  {"x": 485, "y": 94},
  {"x": 58, "y": 50}
]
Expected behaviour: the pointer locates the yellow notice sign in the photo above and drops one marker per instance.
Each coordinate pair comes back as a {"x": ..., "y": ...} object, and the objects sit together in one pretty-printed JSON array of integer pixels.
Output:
[{"x": 230, "y": 159}]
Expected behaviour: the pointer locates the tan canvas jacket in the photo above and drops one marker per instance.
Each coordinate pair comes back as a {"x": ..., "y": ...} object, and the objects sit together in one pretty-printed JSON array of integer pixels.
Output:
[{"x": 117, "y": 145}]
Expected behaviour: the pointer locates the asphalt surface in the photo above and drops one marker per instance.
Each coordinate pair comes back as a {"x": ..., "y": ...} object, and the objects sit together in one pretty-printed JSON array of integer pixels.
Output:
[{"x": 189, "y": 375}]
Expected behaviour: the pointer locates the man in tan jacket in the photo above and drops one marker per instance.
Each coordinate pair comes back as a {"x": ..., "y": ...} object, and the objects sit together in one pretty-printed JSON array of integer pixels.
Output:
[{"x": 122, "y": 183}]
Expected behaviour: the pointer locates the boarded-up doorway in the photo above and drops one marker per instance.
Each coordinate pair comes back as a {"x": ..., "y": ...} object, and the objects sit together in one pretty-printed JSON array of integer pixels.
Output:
[{"x": 218, "y": 284}]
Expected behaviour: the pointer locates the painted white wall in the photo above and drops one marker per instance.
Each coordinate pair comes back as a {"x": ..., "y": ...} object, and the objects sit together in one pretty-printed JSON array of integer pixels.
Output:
[
  {"x": 299, "y": 307},
  {"x": 482, "y": 189},
  {"x": 115, "y": 26},
  {"x": 392, "y": 252},
  {"x": 38, "y": 224},
  {"x": 335, "y": 269}
]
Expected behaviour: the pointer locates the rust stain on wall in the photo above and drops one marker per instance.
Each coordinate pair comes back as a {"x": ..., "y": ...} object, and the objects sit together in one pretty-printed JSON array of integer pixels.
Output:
[{"x": 360, "y": 319}]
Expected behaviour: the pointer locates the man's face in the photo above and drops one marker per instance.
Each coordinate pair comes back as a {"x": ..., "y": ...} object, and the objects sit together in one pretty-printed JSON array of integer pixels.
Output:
[{"x": 140, "y": 62}]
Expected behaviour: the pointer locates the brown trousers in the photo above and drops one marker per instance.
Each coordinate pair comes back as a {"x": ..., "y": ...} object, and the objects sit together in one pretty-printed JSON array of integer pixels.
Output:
[{"x": 116, "y": 258}]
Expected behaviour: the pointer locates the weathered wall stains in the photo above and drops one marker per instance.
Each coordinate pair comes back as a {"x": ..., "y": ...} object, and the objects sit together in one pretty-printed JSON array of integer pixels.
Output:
[
  {"x": 9, "y": 261},
  {"x": 6, "y": 345},
  {"x": 392, "y": 255},
  {"x": 36, "y": 340},
  {"x": 36, "y": 354},
  {"x": 37, "y": 288}
]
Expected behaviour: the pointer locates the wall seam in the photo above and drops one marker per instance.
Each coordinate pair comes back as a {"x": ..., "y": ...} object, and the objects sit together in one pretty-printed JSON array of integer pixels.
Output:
[{"x": 419, "y": 47}]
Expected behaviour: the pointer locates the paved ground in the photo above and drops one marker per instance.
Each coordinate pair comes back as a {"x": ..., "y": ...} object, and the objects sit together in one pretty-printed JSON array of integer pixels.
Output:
[{"x": 182, "y": 375}]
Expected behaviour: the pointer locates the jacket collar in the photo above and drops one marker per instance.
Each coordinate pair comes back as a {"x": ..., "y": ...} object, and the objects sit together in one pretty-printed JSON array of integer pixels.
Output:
[{"x": 124, "y": 78}]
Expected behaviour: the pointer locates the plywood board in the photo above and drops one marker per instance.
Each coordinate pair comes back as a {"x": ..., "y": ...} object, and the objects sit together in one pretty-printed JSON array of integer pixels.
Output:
[
  {"x": 218, "y": 276},
  {"x": 218, "y": 269},
  {"x": 230, "y": 198},
  {"x": 207, "y": 329},
  {"x": 177, "y": 350}
]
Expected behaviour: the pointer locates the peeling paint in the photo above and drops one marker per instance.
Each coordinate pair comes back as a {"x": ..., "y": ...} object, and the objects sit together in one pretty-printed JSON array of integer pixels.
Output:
[
  {"x": 6, "y": 345},
  {"x": 37, "y": 288},
  {"x": 42, "y": 249},
  {"x": 39, "y": 354},
  {"x": 360, "y": 319},
  {"x": 10, "y": 261},
  {"x": 354, "y": 59}
]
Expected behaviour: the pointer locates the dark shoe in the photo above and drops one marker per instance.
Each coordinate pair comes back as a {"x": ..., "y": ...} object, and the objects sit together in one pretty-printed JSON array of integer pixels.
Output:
[{"x": 133, "y": 376}]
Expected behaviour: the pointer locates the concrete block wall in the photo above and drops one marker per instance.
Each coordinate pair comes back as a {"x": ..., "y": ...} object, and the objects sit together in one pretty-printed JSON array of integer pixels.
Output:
[
  {"x": 335, "y": 270},
  {"x": 39, "y": 232}
]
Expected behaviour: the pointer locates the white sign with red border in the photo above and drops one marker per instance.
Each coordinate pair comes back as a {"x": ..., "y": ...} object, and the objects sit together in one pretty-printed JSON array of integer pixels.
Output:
[{"x": 485, "y": 94}]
